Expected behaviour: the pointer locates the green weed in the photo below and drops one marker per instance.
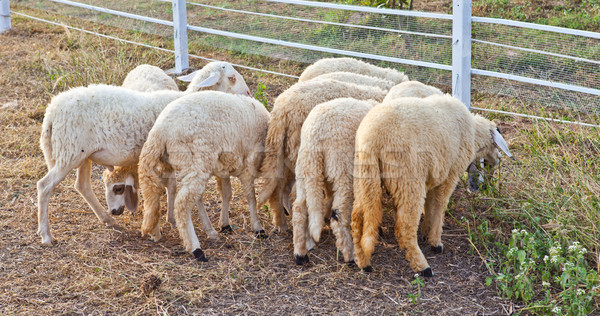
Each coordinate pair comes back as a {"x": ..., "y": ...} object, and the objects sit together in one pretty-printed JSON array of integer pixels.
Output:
[
  {"x": 547, "y": 274},
  {"x": 261, "y": 94}
]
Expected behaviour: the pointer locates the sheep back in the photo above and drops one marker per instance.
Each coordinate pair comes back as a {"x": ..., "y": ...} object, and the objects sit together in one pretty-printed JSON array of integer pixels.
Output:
[
  {"x": 149, "y": 78},
  {"x": 87, "y": 120},
  {"x": 411, "y": 89},
  {"x": 328, "y": 65},
  {"x": 359, "y": 79}
]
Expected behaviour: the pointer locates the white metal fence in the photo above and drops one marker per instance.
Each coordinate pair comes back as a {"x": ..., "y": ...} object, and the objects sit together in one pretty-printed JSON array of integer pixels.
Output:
[{"x": 552, "y": 66}]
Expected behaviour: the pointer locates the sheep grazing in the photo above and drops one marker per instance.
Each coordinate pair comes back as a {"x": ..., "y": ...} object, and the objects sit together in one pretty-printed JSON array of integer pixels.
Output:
[
  {"x": 324, "y": 168},
  {"x": 100, "y": 123},
  {"x": 411, "y": 89},
  {"x": 198, "y": 136},
  {"x": 325, "y": 164},
  {"x": 417, "y": 148},
  {"x": 147, "y": 78},
  {"x": 283, "y": 138},
  {"x": 359, "y": 79},
  {"x": 151, "y": 78},
  {"x": 327, "y": 65},
  {"x": 104, "y": 124},
  {"x": 218, "y": 76}
]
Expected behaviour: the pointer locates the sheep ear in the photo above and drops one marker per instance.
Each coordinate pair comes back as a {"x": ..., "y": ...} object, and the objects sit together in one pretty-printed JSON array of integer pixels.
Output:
[
  {"x": 131, "y": 198},
  {"x": 210, "y": 81},
  {"x": 501, "y": 143},
  {"x": 188, "y": 78}
]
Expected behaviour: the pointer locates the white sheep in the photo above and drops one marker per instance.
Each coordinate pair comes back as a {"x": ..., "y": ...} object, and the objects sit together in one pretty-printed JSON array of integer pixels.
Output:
[
  {"x": 203, "y": 134},
  {"x": 418, "y": 148},
  {"x": 327, "y": 65},
  {"x": 283, "y": 138},
  {"x": 121, "y": 184},
  {"x": 147, "y": 78},
  {"x": 359, "y": 79},
  {"x": 324, "y": 169},
  {"x": 325, "y": 163},
  {"x": 104, "y": 124}
]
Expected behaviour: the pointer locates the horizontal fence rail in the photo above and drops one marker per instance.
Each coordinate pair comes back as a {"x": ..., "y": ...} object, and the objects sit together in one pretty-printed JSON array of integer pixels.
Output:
[{"x": 410, "y": 28}]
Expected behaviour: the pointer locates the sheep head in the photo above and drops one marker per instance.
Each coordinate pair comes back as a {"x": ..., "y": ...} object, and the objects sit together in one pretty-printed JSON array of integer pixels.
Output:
[
  {"x": 121, "y": 189},
  {"x": 487, "y": 140},
  {"x": 218, "y": 76}
]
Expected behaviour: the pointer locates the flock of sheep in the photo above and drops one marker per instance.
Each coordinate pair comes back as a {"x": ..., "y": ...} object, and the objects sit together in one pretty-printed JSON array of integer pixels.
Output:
[{"x": 340, "y": 136}]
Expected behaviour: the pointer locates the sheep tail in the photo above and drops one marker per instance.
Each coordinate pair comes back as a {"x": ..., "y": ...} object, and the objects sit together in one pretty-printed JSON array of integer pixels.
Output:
[
  {"x": 314, "y": 186},
  {"x": 153, "y": 162},
  {"x": 367, "y": 213},
  {"x": 46, "y": 141},
  {"x": 272, "y": 168}
]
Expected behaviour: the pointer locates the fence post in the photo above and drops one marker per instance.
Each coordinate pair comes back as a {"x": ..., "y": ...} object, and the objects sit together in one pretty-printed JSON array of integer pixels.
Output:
[
  {"x": 461, "y": 51},
  {"x": 180, "y": 36},
  {"x": 4, "y": 16}
]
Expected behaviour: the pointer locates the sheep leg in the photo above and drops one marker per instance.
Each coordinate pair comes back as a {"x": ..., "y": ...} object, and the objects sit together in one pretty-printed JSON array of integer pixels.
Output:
[
  {"x": 435, "y": 207},
  {"x": 367, "y": 213},
  {"x": 83, "y": 185},
  {"x": 248, "y": 187},
  {"x": 302, "y": 240},
  {"x": 190, "y": 192},
  {"x": 208, "y": 228},
  {"x": 171, "y": 191},
  {"x": 285, "y": 196},
  {"x": 224, "y": 185},
  {"x": 409, "y": 205},
  {"x": 276, "y": 211},
  {"x": 341, "y": 217},
  {"x": 45, "y": 187}
]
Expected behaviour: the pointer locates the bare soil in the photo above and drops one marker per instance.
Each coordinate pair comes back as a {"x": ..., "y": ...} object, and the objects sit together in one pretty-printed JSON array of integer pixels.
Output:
[{"x": 91, "y": 269}]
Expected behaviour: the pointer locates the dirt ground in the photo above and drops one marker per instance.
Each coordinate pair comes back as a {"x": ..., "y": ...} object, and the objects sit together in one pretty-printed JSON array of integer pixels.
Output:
[{"x": 91, "y": 269}]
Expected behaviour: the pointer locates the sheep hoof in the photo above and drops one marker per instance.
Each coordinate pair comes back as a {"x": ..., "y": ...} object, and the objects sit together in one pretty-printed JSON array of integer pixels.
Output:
[
  {"x": 334, "y": 215},
  {"x": 428, "y": 273},
  {"x": 367, "y": 269},
  {"x": 437, "y": 249},
  {"x": 261, "y": 234},
  {"x": 301, "y": 260},
  {"x": 111, "y": 222},
  {"x": 199, "y": 255},
  {"x": 380, "y": 232},
  {"x": 351, "y": 264},
  {"x": 226, "y": 229},
  {"x": 285, "y": 210}
]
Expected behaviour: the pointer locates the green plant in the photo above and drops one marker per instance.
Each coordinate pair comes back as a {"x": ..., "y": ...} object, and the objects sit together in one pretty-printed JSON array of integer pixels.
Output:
[
  {"x": 415, "y": 298},
  {"x": 547, "y": 275},
  {"x": 261, "y": 95},
  {"x": 393, "y": 4}
]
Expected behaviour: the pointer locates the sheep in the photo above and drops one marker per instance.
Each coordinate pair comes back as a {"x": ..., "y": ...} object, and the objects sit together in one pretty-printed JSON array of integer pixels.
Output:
[
  {"x": 197, "y": 136},
  {"x": 104, "y": 124},
  {"x": 355, "y": 78},
  {"x": 417, "y": 148},
  {"x": 283, "y": 138},
  {"x": 325, "y": 162},
  {"x": 327, "y": 65},
  {"x": 324, "y": 167},
  {"x": 147, "y": 78}
]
